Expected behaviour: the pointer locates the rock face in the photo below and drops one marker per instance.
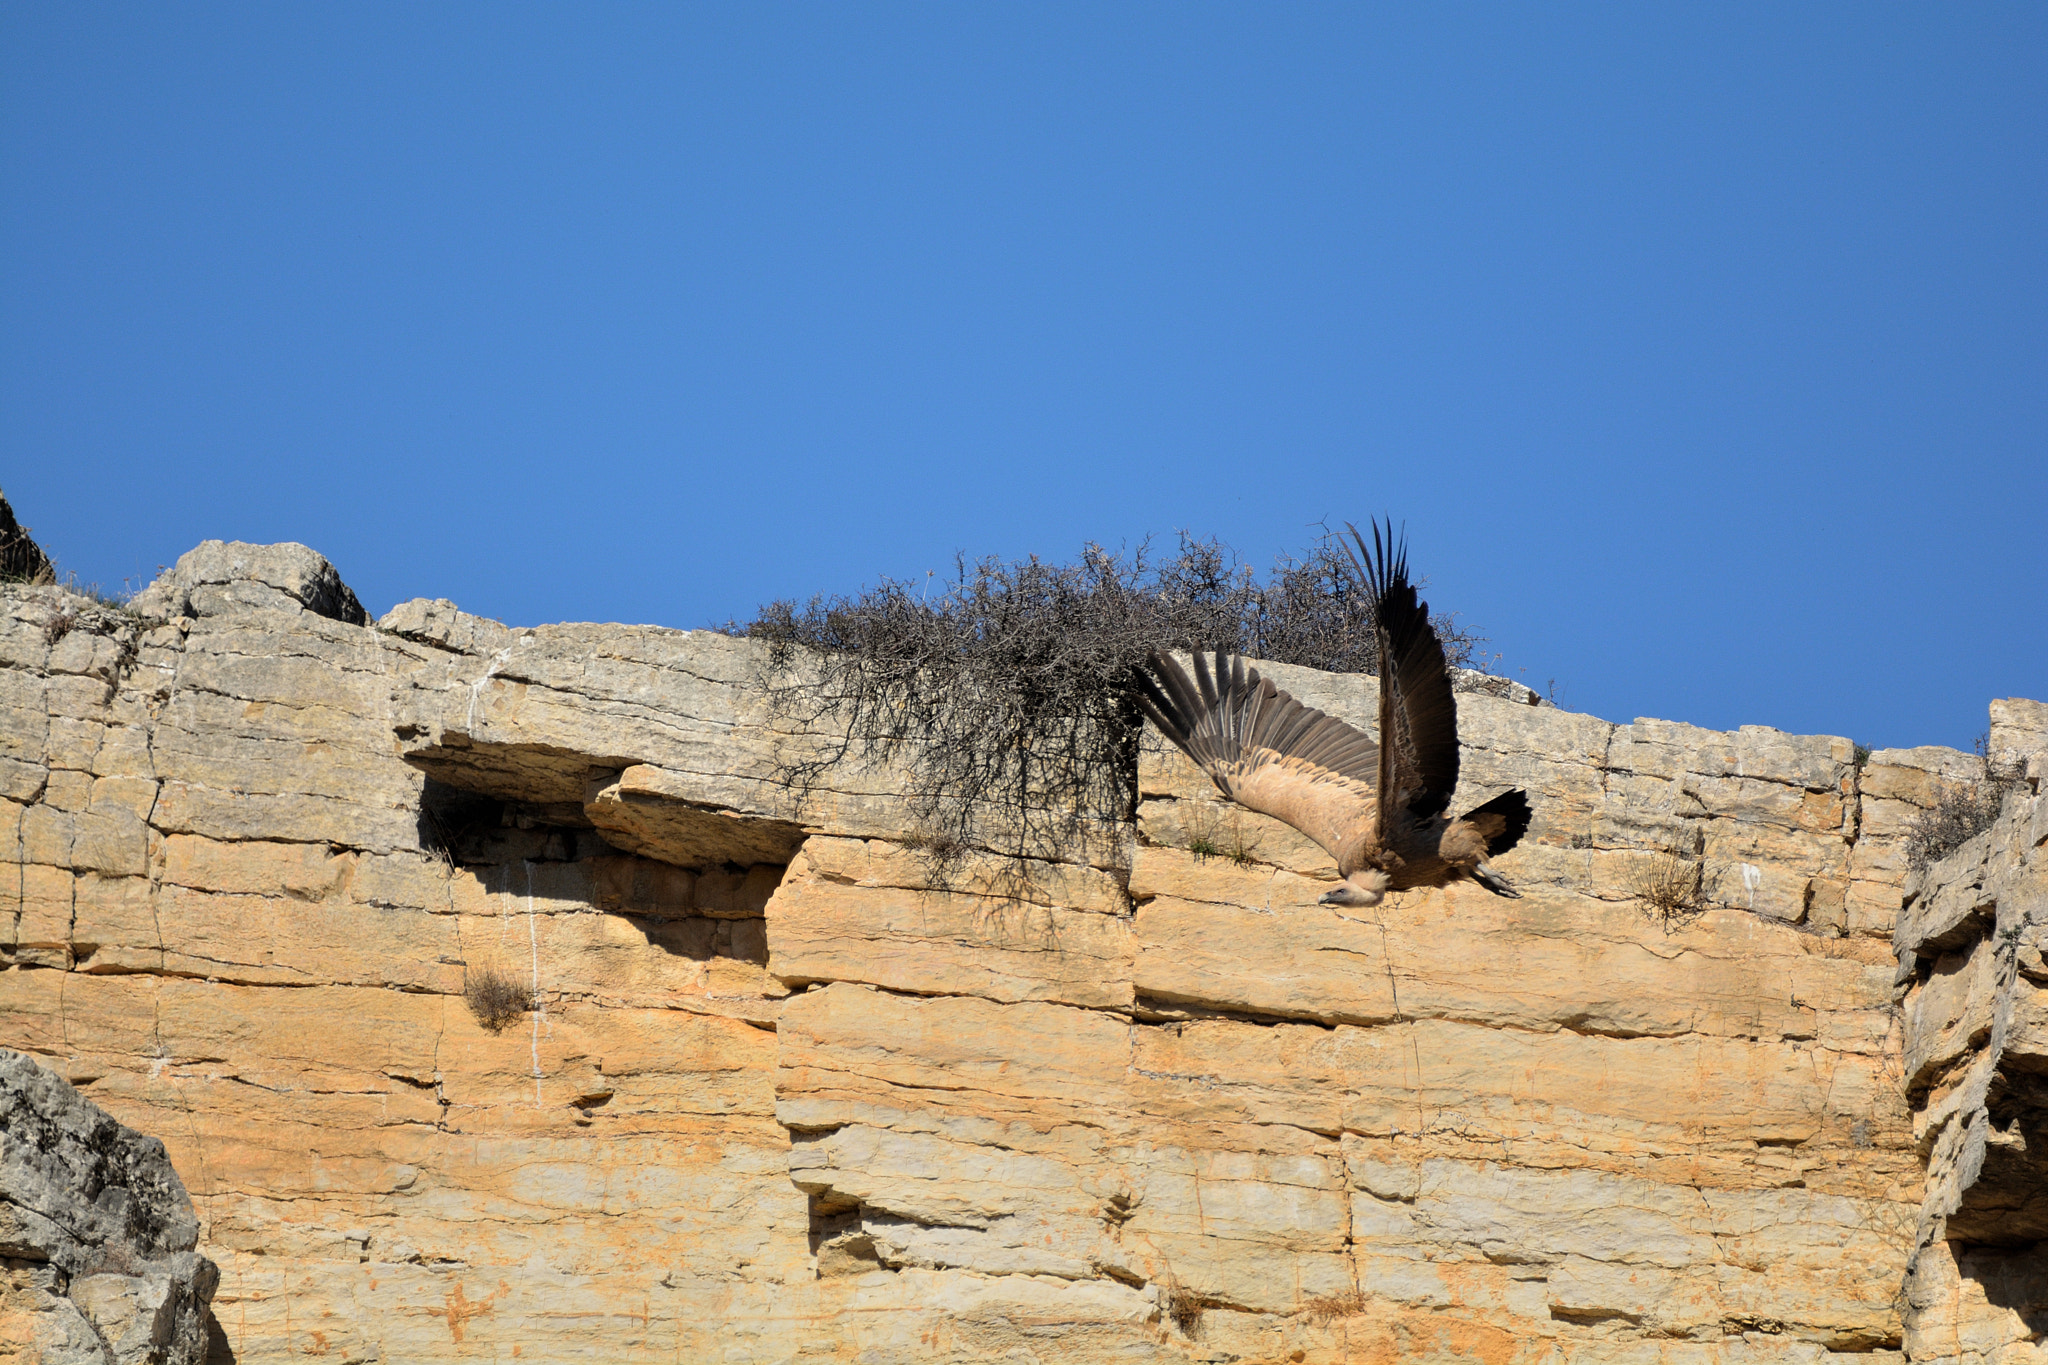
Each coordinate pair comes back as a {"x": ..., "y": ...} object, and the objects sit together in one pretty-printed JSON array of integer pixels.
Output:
[
  {"x": 1973, "y": 957},
  {"x": 777, "y": 1097},
  {"x": 223, "y": 575},
  {"x": 96, "y": 1235},
  {"x": 21, "y": 559}
]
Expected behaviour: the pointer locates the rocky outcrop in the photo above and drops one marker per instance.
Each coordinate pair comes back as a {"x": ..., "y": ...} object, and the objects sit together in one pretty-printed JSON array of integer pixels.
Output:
[
  {"x": 1973, "y": 969},
  {"x": 779, "y": 1096},
  {"x": 96, "y": 1235},
  {"x": 225, "y": 576},
  {"x": 21, "y": 559}
]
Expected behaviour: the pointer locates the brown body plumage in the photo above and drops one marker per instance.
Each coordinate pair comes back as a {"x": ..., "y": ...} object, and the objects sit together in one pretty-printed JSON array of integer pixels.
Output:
[{"x": 1268, "y": 752}]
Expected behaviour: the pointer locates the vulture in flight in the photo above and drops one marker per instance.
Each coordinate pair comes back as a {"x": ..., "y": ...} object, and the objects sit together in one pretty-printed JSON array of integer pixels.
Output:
[{"x": 1377, "y": 808}]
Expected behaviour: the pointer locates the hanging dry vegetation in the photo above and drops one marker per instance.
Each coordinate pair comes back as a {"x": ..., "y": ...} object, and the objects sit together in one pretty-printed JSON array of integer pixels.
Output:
[
  {"x": 1008, "y": 691},
  {"x": 1962, "y": 811}
]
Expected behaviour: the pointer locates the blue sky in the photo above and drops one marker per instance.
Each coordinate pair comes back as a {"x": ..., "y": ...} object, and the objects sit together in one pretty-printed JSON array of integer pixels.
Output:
[{"x": 1700, "y": 347}]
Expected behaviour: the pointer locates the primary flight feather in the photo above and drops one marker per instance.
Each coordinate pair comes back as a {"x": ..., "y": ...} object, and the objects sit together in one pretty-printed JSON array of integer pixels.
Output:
[{"x": 1377, "y": 808}]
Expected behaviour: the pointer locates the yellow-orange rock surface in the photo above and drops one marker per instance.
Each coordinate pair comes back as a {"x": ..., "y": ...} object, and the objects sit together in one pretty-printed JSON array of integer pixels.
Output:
[{"x": 781, "y": 1100}]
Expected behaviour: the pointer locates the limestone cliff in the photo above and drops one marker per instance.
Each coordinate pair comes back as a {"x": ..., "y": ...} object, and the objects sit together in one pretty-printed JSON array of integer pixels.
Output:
[
  {"x": 780, "y": 1099},
  {"x": 1973, "y": 961},
  {"x": 97, "y": 1265}
]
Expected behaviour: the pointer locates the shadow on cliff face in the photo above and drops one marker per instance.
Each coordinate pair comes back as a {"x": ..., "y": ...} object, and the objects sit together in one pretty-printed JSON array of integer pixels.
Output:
[
  {"x": 551, "y": 854},
  {"x": 218, "y": 1349},
  {"x": 1998, "y": 1230},
  {"x": 839, "y": 1239},
  {"x": 2014, "y": 1278}
]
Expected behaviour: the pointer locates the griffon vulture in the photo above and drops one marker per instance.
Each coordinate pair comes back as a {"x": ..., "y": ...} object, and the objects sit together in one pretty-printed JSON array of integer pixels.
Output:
[{"x": 1267, "y": 751}]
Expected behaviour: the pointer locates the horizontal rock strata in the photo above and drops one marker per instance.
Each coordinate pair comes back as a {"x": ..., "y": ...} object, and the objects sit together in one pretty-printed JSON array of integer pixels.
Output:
[{"x": 766, "y": 1094}]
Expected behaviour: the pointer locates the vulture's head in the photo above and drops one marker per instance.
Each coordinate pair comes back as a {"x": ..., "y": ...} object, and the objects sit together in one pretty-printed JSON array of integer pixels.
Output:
[{"x": 1364, "y": 888}]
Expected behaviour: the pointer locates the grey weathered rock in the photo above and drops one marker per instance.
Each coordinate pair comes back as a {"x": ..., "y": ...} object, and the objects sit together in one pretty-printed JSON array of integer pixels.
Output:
[
  {"x": 2019, "y": 730},
  {"x": 224, "y": 576},
  {"x": 1491, "y": 685},
  {"x": 21, "y": 559},
  {"x": 1973, "y": 971},
  {"x": 96, "y": 1233}
]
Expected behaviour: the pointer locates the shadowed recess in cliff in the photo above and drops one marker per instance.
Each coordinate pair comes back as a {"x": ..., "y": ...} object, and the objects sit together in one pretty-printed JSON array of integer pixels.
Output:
[
  {"x": 527, "y": 853},
  {"x": 640, "y": 808},
  {"x": 1973, "y": 990}
]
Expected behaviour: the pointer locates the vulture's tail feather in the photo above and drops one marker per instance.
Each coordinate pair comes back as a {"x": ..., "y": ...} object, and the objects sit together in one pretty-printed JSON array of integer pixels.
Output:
[{"x": 1504, "y": 820}]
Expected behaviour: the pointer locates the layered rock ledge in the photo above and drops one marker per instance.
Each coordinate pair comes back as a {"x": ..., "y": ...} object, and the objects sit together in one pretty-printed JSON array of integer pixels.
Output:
[{"x": 779, "y": 1098}]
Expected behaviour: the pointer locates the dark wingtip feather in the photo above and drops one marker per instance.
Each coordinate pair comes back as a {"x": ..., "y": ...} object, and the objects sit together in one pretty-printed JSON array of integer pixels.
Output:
[
  {"x": 1383, "y": 567},
  {"x": 1155, "y": 702}
]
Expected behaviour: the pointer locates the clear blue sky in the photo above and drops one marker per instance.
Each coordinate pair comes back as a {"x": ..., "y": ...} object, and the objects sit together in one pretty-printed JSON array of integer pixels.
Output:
[{"x": 1700, "y": 347}]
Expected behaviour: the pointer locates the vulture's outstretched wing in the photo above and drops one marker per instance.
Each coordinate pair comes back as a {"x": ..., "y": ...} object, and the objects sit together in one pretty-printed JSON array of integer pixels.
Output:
[
  {"x": 1264, "y": 749},
  {"x": 1418, "y": 714}
]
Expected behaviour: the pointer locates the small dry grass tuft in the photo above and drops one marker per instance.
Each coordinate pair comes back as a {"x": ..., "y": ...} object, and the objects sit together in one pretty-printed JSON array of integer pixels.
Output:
[
  {"x": 58, "y": 626},
  {"x": 943, "y": 849},
  {"x": 493, "y": 998},
  {"x": 1182, "y": 1305},
  {"x": 1328, "y": 1308},
  {"x": 1669, "y": 887},
  {"x": 1208, "y": 839}
]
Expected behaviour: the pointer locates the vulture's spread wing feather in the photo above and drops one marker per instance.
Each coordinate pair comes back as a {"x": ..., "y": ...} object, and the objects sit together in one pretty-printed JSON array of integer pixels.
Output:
[
  {"x": 1418, "y": 713},
  {"x": 1264, "y": 749}
]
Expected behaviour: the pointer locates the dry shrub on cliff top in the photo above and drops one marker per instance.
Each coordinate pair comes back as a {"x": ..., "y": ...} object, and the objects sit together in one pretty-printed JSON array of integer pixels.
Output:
[
  {"x": 1009, "y": 690},
  {"x": 1962, "y": 811},
  {"x": 493, "y": 998}
]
